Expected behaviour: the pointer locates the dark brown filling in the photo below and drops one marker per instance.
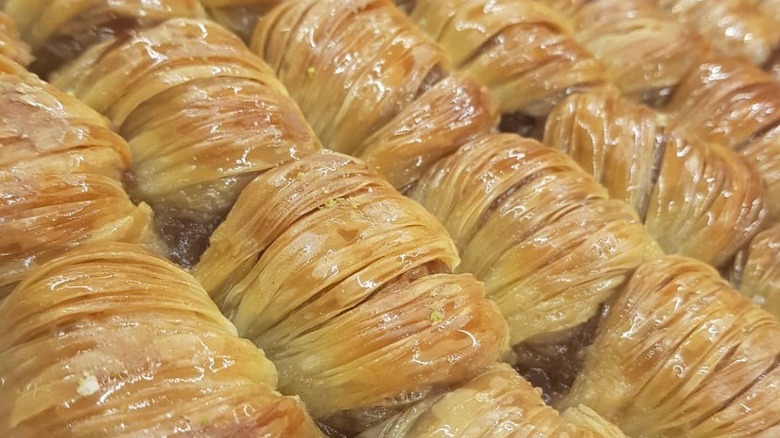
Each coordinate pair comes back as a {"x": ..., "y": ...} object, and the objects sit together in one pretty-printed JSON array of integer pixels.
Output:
[
  {"x": 522, "y": 124},
  {"x": 552, "y": 362}
]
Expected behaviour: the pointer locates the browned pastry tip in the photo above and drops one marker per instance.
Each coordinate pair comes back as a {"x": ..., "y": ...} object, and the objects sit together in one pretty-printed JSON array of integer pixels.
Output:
[
  {"x": 729, "y": 101},
  {"x": 61, "y": 172},
  {"x": 346, "y": 285},
  {"x": 541, "y": 234},
  {"x": 133, "y": 346},
  {"x": 495, "y": 403},
  {"x": 682, "y": 354},
  {"x": 202, "y": 115},
  {"x": 696, "y": 198},
  {"x": 11, "y": 44},
  {"x": 739, "y": 28},
  {"x": 59, "y": 30},
  {"x": 523, "y": 51}
]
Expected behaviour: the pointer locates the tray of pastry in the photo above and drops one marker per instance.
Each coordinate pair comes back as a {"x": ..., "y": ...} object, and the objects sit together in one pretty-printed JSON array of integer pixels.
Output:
[{"x": 368, "y": 218}]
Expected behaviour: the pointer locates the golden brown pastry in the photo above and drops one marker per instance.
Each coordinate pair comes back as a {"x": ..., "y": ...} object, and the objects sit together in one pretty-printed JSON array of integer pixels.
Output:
[
  {"x": 521, "y": 50},
  {"x": 346, "y": 285},
  {"x": 681, "y": 225},
  {"x": 110, "y": 340},
  {"x": 732, "y": 102},
  {"x": 647, "y": 53},
  {"x": 543, "y": 236},
  {"x": 371, "y": 84},
  {"x": 758, "y": 274},
  {"x": 744, "y": 28},
  {"x": 61, "y": 172},
  {"x": 495, "y": 403},
  {"x": 11, "y": 45},
  {"x": 695, "y": 198},
  {"x": 202, "y": 115},
  {"x": 682, "y": 354},
  {"x": 58, "y": 30}
]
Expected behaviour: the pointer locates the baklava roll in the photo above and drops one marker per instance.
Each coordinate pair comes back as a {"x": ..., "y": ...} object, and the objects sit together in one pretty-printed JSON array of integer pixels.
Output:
[
  {"x": 695, "y": 198},
  {"x": 58, "y": 30},
  {"x": 522, "y": 50},
  {"x": 61, "y": 172},
  {"x": 11, "y": 44},
  {"x": 202, "y": 115},
  {"x": 742, "y": 28},
  {"x": 371, "y": 84},
  {"x": 496, "y": 403},
  {"x": 346, "y": 285},
  {"x": 545, "y": 239},
  {"x": 682, "y": 354},
  {"x": 729, "y": 101},
  {"x": 758, "y": 272},
  {"x": 110, "y": 340},
  {"x": 647, "y": 53}
]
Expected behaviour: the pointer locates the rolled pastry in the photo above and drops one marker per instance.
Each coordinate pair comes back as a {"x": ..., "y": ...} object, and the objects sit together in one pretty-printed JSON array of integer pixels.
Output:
[
  {"x": 346, "y": 285},
  {"x": 682, "y": 354},
  {"x": 729, "y": 101},
  {"x": 696, "y": 199},
  {"x": 61, "y": 172},
  {"x": 58, "y": 30},
  {"x": 371, "y": 84},
  {"x": 110, "y": 340},
  {"x": 202, "y": 115},
  {"x": 522, "y": 50},
  {"x": 495, "y": 403},
  {"x": 543, "y": 235},
  {"x": 740, "y": 28}
]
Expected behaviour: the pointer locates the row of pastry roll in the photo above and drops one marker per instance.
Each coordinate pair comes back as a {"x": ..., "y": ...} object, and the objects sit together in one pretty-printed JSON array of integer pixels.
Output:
[
  {"x": 695, "y": 198},
  {"x": 297, "y": 40},
  {"x": 100, "y": 336},
  {"x": 303, "y": 264},
  {"x": 721, "y": 101},
  {"x": 343, "y": 281}
]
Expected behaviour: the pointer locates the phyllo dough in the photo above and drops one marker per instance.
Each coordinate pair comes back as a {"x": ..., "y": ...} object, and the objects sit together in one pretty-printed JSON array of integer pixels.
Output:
[
  {"x": 371, "y": 84},
  {"x": 61, "y": 172},
  {"x": 732, "y": 102},
  {"x": 496, "y": 403},
  {"x": 202, "y": 115},
  {"x": 542, "y": 234},
  {"x": 110, "y": 340},
  {"x": 682, "y": 354},
  {"x": 58, "y": 30},
  {"x": 346, "y": 285},
  {"x": 697, "y": 198}
]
